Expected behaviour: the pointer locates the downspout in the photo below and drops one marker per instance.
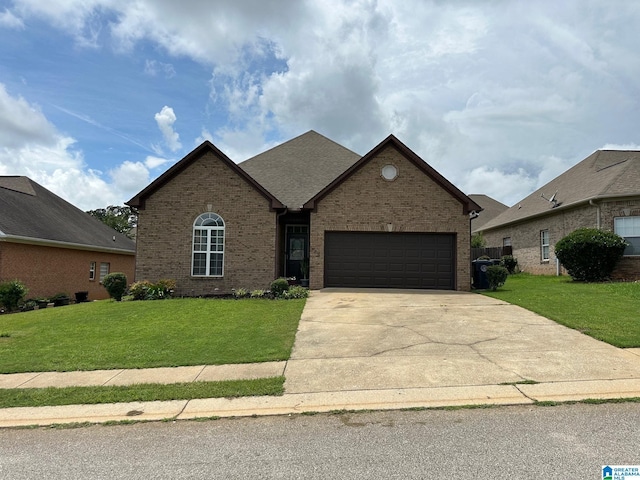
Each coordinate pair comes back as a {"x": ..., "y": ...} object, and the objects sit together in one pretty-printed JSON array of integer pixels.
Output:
[{"x": 594, "y": 204}]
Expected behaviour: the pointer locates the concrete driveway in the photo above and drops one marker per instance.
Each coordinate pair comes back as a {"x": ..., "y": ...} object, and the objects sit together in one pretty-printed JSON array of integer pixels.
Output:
[{"x": 351, "y": 340}]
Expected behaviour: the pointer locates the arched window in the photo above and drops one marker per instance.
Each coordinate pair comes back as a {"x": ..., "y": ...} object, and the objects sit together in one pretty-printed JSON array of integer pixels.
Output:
[{"x": 208, "y": 246}]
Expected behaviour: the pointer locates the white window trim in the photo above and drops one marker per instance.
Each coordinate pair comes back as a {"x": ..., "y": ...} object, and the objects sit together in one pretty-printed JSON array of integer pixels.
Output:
[
  {"x": 92, "y": 271},
  {"x": 615, "y": 229},
  {"x": 108, "y": 270},
  {"x": 200, "y": 224},
  {"x": 544, "y": 259}
]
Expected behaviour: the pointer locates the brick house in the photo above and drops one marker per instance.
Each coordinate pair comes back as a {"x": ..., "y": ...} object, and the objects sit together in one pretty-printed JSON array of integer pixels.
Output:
[
  {"x": 52, "y": 246},
  {"x": 386, "y": 219},
  {"x": 602, "y": 191}
]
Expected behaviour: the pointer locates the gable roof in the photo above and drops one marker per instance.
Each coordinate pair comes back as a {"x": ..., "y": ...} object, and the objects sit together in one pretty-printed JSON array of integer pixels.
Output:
[
  {"x": 603, "y": 174},
  {"x": 29, "y": 213},
  {"x": 467, "y": 204},
  {"x": 491, "y": 208},
  {"x": 297, "y": 170},
  {"x": 206, "y": 146}
]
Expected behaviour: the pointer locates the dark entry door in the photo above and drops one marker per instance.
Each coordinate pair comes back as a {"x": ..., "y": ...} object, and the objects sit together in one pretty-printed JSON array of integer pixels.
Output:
[
  {"x": 297, "y": 251},
  {"x": 390, "y": 260}
]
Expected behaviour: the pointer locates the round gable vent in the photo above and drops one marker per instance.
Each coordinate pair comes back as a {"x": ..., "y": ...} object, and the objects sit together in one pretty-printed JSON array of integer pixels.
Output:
[{"x": 389, "y": 172}]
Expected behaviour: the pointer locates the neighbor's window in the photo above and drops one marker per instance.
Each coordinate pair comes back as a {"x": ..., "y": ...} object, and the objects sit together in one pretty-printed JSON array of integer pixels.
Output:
[
  {"x": 104, "y": 270},
  {"x": 629, "y": 229},
  {"x": 544, "y": 245},
  {"x": 208, "y": 246},
  {"x": 506, "y": 242},
  {"x": 92, "y": 271}
]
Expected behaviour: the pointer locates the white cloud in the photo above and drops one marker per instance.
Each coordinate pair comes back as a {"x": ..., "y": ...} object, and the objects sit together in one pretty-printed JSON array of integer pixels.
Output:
[
  {"x": 32, "y": 146},
  {"x": 154, "y": 67},
  {"x": 9, "y": 20},
  {"x": 165, "y": 120},
  {"x": 152, "y": 162}
]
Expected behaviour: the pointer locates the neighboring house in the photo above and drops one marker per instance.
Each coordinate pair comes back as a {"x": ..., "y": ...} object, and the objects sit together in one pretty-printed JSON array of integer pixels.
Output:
[
  {"x": 53, "y": 247},
  {"x": 602, "y": 191},
  {"x": 491, "y": 208},
  {"x": 387, "y": 219}
]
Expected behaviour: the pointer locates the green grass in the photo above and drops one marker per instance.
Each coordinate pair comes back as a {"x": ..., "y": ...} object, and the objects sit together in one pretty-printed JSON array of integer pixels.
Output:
[
  {"x": 164, "y": 333},
  {"x": 607, "y": 311},
  {"x": 36, "y": 397}
]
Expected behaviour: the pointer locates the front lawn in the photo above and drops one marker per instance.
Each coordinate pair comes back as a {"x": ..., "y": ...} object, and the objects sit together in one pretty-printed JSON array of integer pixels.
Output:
[
  {"x": 162, "y": 333},
  {"x": 607, "y": 311}
]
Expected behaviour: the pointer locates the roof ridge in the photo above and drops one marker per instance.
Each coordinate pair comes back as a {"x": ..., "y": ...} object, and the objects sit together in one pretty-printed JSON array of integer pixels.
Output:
[{"x": 17, "y": 183}]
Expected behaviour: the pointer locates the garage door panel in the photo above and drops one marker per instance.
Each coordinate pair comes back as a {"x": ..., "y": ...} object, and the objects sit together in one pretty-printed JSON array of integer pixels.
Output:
[{"x": 389, "y": 260}]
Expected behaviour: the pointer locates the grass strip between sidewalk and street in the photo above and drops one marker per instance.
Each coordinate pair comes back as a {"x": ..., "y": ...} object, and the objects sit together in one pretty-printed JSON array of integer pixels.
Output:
[
  {"x": 38, "y": 397},
  {"x": 607, "y": 311}
]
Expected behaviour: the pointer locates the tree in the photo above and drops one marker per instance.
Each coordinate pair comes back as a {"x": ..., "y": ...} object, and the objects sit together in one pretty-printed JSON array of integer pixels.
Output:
[
  {"x": 121, "y": 219},
  {"x": 478, "y": 241}
]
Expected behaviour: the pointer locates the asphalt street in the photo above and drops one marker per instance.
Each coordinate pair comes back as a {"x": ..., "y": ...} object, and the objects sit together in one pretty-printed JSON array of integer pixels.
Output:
[{"x": 520, "y": 442}]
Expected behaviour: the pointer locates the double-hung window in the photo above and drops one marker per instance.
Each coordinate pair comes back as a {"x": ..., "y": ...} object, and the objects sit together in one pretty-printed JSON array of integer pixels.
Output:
[
  {"x": 544, "y": 245},
  {"x": 208, "y": 246},
  {"x": 104, "y": 270},
  {"x": 629, "y": 229},
  {"x": 92, "y": 270}
]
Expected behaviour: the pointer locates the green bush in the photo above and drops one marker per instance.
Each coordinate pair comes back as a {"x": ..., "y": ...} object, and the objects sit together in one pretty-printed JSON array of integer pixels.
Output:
[
  {"x": 496, "y": 275},
  {"x": 296, "y": 291},
  {"x": 279, "y": 286},
  {"x": 145, "y": 290},
  {"x": 116, "y": 285},
  {"x": 258, "y": 294},
  {"x": 510, "y": 263},
  {"x": 138, "y": 290},
  {"x": 12, "y": 294},
  {"x": 241, "y": 293},
  {"x": 590, "y": 254}
]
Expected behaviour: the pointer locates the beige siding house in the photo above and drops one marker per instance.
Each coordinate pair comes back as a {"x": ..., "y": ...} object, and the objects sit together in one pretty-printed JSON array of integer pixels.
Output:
[
  {"x": 310, "y": 210},
  {"x": 602, "y": 191}
]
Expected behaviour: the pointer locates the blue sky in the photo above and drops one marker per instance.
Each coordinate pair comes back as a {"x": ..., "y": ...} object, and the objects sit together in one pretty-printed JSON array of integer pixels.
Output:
[{"x": 99, "y": 97}]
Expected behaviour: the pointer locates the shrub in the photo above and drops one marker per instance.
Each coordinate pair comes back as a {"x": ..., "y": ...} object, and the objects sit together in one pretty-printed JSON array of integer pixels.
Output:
[
  {"x": 12, "y": 294},
  {"x": 296, "y": 291},
  {"x": 116, "y": 285},
  {"x": 589, "y": 254},
  {"x": 496, "y": 275},
  {"x": 279, "y": 286},
  {"x": 510, "y": 263},
  {"x": 241, "y": 293},
  {"x": 162, "y": 289},
  {"x": 138, "y": 290},
  {"x": 258, "y": 294}
]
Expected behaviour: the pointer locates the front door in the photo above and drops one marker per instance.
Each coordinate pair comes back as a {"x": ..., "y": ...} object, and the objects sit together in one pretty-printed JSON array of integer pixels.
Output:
[{"x": 297, "y": 252}]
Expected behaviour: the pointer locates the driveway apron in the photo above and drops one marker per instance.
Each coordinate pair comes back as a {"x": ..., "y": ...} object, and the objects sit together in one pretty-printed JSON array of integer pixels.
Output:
[{"x": 366, "y": 339}]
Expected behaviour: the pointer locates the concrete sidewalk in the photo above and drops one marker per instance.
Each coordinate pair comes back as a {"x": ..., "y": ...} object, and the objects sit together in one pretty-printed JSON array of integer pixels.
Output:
[{"x": 359, "y": 350}]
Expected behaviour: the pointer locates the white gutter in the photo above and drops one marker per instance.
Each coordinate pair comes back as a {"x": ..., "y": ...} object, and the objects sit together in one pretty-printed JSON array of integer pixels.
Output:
[{"x": 58, "y": 244}]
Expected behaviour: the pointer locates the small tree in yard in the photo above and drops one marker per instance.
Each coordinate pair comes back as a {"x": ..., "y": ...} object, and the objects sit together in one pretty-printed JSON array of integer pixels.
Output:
[
  {"x": 478, "y": 240},
  {"x": 12, "y": 294},
  {"x": 590, "y": 254},
  {"x": 116, "y": 285}
]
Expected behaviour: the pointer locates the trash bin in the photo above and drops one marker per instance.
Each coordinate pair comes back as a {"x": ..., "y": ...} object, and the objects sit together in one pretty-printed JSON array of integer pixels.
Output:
[{"x": 480, "y": 278}]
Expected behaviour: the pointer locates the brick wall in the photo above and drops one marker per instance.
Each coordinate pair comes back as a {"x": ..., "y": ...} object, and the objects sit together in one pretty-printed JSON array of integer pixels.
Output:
[
  {"x": 412, "y": 203},
  {"x": 50, "y": 270},
  {"x": 525, "y": 237},
  {"x": 165, "y": 229}
]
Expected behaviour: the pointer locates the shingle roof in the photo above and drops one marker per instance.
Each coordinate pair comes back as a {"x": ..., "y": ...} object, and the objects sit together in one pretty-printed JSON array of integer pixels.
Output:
[
  {"x": 491, "y": 208},
  {"x": 30, "y": 211},
  {"x": 603, "y": 174},
  {"x": 297, "y": 170}
]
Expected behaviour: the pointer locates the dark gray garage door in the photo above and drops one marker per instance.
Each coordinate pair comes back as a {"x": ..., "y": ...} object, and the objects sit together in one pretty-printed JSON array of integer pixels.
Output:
[{"x": 389, "y": 260}]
